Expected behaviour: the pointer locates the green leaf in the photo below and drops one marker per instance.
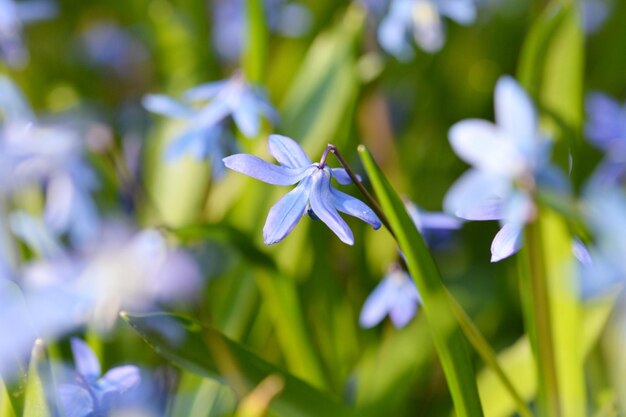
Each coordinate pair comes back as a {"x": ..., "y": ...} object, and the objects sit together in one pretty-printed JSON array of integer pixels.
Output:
[
  {"x": 279, "y": 293},
  {"x": 551, "y": 69},
  {"x": 255, "y": 53},
  {"x": 449, "y": 341},
  {"x": 207, "y": 352},
  {"x": 518, "y": 362},
  {"x": 6, "y": 408},
  {"x": 35, "y": 401}
]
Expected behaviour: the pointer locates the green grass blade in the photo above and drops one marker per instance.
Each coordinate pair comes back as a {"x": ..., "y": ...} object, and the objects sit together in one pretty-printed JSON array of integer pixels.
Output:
[
  {"x": 448, "y": 339},
  {"x": 255, "y": 53},
  {"x": 6, "y": 408},
  {"x": 278, "y": 292},
  {"x": 35, "y": 401},
  {"x": 207, "y": 352}
]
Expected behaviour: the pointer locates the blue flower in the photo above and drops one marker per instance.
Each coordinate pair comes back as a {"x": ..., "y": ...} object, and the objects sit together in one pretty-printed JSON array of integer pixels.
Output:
[
  {"x": 93, "y": 393},
  {"x": 396, "y": 296},
  {"x": 314, "y": 191},
  {"x": 51, "y": 157},
  {"x": 605, "y": 209},
  {"x": 606, "y": 128},
  {"x": 510, "y": 160},
  {"x": 13, "y": 15},
  {"x": 290, "y": 19},
  {"x": 422, "y": 20},
  {"x": 434, "y": 227},
  {"x": 205, "y": 134}
]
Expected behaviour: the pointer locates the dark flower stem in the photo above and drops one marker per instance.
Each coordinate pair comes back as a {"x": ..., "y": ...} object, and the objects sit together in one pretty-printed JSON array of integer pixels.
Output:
[{"x": 371, "y": 200}]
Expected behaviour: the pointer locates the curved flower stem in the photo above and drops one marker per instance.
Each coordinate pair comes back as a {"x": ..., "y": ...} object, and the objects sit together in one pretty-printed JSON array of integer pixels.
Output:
[{"x": 371, "y": 200}]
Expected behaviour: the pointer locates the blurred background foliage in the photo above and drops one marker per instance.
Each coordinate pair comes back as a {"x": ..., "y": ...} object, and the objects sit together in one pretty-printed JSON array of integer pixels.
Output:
[{"x": 296, "y": 304}]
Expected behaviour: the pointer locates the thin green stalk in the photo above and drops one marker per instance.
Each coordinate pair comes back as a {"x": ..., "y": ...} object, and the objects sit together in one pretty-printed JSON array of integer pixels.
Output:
[
  {"x": 481, "y": 346},
  {"x": 534, "y": 289},
  {"x": 255, "y": 52}
]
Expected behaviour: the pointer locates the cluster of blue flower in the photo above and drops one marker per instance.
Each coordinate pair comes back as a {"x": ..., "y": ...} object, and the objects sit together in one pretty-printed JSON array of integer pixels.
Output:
[{"x": 87, "y": 267}]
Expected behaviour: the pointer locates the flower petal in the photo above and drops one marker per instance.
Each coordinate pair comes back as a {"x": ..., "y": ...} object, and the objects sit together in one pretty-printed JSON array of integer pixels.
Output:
[
  {"x": 75, "y": 401},
  {"x": 392, "y": 35},
  {"x": 119, "y": 379},
  {"x": 183, "y": 144},
  {"x": 246, "y": 115},
  {"x": 477, "y": 196},
  {"x": 86, "y": 362},
  {"x": 605, "y": 126},
  {"x": 378, "y": 304},
  {"x": 204, "y": 91},
  {"x": 322, "y": 204},
  {"x": 402, "y": 310},
  {"x": 286, "y": 213},
  {"x": 428, "y": 30},
  {"x": 165, "y": 105},
  {"x": 354, "y": 207},
  {"x": 264, "y": 171},
  {"x": 515, "y": 114},
  {"x": 461, "y": 11},
  {"x": 507, "y": 241},
  {"x": 288, "y": 152},
  {"x": 482, "y": 144},
  {"x": 342, "y": 177}
]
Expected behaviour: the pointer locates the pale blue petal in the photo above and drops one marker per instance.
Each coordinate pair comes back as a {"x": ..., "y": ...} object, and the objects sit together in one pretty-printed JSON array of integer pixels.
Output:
[
  {"x": 119, "y": 379},
  {"x": 286, "y": 213},
  {"x": 75, "y": 401},
  {"x": 246, "y": 116},
  {"x": 439, "y": 221},
  {"x": 354, "y": 207},
  {"x": 205, "y": 91},
  {"x": 321, "y": 201},
  {"x": 60, "y": 195},
  {"x": 13, "y": 104},
  {"x": 461, "y": 11},
  {"x": 477, "y": 196},
  {"x": 402, "y": 310},
  {"x": 516, "y": 115},
  {"x": 34, "y": 10},
  {"x": 210, "y": 115},
  {"x": 85, "y": 360},
  {"x": 581, "y": 252},
  {"x": 392, "y": 35},
  {"x": 288, "y": 152},
  {"x": 342, "y": 177},
  {"x": 506, "y": 242},
  {"x": 264, "y": 171},
  {"x": 378, "y": 304},
  {"x": 166, "y": 106},
  {"x": 428, "y": 30},
  {"x": 185, "y": 143},
  {"x": 35, "y": 234},
  {"x": 605, "y": 125},
  {"x": 518, "y": 209},
  {"x": 482, "y": 144}
]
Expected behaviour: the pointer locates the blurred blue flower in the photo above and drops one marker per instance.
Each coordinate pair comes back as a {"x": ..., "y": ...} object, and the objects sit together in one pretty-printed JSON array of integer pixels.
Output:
[
  {"x": 107, "y": 45},
  {"x": 313, "y": 192},
  {"x": 31, "y": 313},
  {"x": 93, "y": 394},
  {"x": 606, "y": 128},
  {"x": 121, "y": 269},
  {"x": 594, "y": 14},
  {"x": 13, "y": 15},
  {"x": 205, "y": 134},
  {"x": 605, "y": 209},
  {"x": 510, "y": 160},
  {"x": 434, "y": 227},
  {"x": 51, "y": 157},
  {"x": 396, "y": 296},
  {"x": 290, "y": 19},
  {"x": 422, "y": 20}
]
